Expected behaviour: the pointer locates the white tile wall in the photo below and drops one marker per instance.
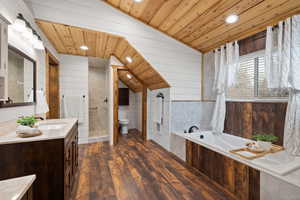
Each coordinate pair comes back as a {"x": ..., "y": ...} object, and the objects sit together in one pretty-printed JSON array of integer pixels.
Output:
[
  {"x": 74, "y": 82},
  {"x": 178, "y": 64}
]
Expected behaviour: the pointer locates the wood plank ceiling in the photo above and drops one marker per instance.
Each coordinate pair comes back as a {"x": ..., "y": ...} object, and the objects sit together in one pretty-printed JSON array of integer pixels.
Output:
[
  {"x": 68, "y": 39},
  {"x": 130, "y": 80},
  {"x": 201, "y": 23}
]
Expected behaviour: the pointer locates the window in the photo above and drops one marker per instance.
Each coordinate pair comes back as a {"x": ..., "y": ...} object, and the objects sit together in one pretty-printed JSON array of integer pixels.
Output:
[{"x": 251, "y": 82}]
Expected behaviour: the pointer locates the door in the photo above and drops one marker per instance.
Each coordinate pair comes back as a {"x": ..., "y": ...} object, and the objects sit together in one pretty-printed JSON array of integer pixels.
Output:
[
  {"x": 52, "y": 86},
  {"x": 53, "y": 92}
]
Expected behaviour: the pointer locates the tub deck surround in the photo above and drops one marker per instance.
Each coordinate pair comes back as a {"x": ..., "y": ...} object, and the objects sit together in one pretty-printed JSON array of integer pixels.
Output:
[
  {"x": 15, "y": 188},
  {"x": 8, "y": 131},
  {"x": 279, "y": 164}
]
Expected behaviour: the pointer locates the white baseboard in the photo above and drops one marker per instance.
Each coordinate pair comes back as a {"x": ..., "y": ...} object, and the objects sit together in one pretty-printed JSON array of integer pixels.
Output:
[{"x": 93, "y": 139}]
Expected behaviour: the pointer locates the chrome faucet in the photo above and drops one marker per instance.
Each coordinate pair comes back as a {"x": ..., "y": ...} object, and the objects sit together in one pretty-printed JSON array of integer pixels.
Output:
[{"x": 193, "y": 129}]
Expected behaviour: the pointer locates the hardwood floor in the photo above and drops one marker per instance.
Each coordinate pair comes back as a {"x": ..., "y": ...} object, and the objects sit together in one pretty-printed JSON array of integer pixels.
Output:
[{"x": 138, "y": 170}]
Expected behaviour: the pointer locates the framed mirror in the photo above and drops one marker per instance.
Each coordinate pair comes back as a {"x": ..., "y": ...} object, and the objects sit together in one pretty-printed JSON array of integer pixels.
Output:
[{"x": 21, "y": 79}]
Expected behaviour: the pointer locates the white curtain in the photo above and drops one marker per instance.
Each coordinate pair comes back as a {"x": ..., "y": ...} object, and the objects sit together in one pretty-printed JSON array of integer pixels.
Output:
[
  {"x": 283, "y": 71},
  {"x": 226, "y": 68}
]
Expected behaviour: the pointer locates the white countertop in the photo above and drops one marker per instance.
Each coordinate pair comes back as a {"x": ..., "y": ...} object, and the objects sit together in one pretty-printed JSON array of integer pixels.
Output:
[
  {"x": 8, "y": 134},
  {"x": 292, "y": 177},
  {"x": 15, "y": 188}
]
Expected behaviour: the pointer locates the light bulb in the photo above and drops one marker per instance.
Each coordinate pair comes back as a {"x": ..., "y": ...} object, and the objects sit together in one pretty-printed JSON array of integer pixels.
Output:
[
  {"x": 129, "y": 76},
  {"x": 39, "y": 44},
  {"x": 28, "y": 34},
  {"x": 83, "y": 47},
  {"x": 231, "y": 19},
  {"x": 19, "y": 25},
  {"x": 129, "y": 59}
]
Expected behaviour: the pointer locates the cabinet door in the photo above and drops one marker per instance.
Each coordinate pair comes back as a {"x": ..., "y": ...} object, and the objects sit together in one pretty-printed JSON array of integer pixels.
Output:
[{"x": 3, "y": 59}]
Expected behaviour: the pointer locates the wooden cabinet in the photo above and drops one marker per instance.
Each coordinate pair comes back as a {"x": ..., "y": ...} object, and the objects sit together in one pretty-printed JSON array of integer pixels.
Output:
[
  {"x": 28, "y": 195},
  {"x": 54, "y": 162},
  {"x": 234, "y": 178},
  {"x": 70, "y": 163}
]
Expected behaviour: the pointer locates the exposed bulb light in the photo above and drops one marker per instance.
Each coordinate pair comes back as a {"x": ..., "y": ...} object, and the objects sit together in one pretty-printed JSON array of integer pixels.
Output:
[
  {"x": 84, "y": 47},
  {"x": 129, "y": 76},
  {"x": 129, "y": 59},
  {"x": 38, "y": 44},
  {"x": 19, "y": 25},
  {"x": 28, "y": 34},
  {"x": 231, "y": 19},
  {"x": 137, "y": 1}
]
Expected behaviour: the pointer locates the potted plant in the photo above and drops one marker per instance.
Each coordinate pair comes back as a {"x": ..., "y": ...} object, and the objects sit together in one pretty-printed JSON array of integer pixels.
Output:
[
  {"x": 265, "y": 141},
  {"x": 27, "y": 121},
  {"x": 27, "y": 127}
]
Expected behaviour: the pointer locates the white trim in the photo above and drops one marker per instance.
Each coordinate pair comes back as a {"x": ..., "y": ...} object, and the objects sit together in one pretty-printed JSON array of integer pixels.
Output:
[{"x": 93, "y": 139}]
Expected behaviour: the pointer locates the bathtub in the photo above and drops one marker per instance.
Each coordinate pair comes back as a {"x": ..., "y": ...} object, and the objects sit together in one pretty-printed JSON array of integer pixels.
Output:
[{"x": 278, "y": 164}]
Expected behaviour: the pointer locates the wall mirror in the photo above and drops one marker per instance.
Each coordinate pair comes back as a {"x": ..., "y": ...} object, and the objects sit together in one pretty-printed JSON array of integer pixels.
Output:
[{"x": 21, "y": 79}]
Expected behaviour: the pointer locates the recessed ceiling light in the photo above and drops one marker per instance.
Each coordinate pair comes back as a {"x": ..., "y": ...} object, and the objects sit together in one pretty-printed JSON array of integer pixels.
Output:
[
  {"x": 231, "y": 19},
  {"x": 137, "y": 1},
  {"x": 129, "y": 76},
  {"x": 83, "y": 47},
  {"x": 129, "y": 59}
]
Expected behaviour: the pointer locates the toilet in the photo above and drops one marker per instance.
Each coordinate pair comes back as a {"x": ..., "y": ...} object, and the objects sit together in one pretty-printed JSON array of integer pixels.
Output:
[{"x": 124, "y": 125}]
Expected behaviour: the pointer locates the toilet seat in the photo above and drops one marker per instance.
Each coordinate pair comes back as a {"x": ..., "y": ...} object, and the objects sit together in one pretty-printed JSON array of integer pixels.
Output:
[{"x": 124, "y": 121}]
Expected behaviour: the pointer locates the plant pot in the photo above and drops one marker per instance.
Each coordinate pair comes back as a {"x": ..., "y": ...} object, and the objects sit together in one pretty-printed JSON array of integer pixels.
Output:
[
  {"x": 266, "y": 146},
  {"x": 27, "y": 131}
]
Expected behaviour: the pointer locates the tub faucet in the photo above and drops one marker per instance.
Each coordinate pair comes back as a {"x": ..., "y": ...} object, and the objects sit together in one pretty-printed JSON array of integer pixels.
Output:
[{"x": 193, "y": 129}]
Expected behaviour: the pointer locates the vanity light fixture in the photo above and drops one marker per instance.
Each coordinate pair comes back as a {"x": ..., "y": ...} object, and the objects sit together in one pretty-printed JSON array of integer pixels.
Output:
[
  {"x": 231, "y": 19},
  {"x": 84, "y": 47},
  {"x": 129, "y": 76},
  {"x": 129, "y": 59},
  {"x": 138, "y": 1},
  {"x": 22, "y": 26}
]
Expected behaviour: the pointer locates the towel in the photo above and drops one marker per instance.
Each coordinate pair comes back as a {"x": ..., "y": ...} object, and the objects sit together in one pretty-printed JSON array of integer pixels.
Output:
[
  {"x": 158, "y": 110},
  {"x": 63, "y": 109},
  {"x": 41, "y": 106}
]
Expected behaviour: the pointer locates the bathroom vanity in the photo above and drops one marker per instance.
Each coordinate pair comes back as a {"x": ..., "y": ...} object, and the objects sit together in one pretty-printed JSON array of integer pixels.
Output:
[
  {"x": 17, "y": 188},
  {"x": 52, "y": 157}
]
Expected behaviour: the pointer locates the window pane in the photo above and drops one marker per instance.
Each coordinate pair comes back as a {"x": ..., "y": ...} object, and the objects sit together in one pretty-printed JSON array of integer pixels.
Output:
[
  {"x": 245, "y": 81},
  {"x": 263, "y": 90},
  {"x": 251, "y": 81}
]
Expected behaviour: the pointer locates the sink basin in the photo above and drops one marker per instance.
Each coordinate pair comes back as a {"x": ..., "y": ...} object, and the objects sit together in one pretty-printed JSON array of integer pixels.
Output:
[{"x": 54, "y": 126}]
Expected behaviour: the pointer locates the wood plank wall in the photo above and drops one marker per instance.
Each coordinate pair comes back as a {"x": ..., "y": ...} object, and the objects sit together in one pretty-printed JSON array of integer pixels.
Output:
[
  {"x": 234, "y": 178},
  {"x": 245, "y": 119}
]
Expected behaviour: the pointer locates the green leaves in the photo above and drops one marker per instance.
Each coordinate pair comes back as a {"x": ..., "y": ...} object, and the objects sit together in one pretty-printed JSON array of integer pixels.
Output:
[
  {"x": 27, "y": 121},
  {"x": 265, "y": 138}
]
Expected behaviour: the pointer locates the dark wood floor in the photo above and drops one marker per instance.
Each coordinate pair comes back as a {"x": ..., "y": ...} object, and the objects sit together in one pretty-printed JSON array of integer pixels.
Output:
[{"x": 137, "y": 170}]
